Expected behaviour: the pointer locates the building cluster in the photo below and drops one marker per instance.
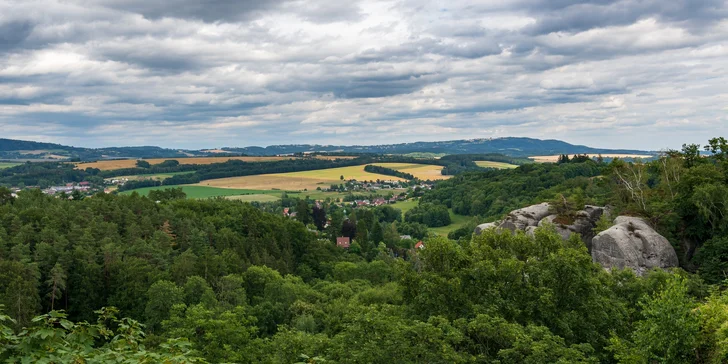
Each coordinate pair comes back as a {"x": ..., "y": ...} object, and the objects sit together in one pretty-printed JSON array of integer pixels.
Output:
[
  {"x": 377, "y": 201},
  {"x": 68, "y": 188},
  {"x": 354, "y": 185}
]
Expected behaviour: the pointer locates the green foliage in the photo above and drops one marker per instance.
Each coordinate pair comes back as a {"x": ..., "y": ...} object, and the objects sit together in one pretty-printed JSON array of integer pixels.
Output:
[
  {"x": 496, "y": 192},
  {"x": 241, "y": 285},
  {"x": 52, "y": 338},
  {"x": 668, "y": 332},
  {"x": 143, "y": 164},
  {"x": 429, "y": 214},
  {"x": 167, "y": 194}
]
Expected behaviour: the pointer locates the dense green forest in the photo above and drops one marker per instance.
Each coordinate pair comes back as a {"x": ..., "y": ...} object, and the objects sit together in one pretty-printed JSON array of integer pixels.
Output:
[{"x": 224, "y": 281}]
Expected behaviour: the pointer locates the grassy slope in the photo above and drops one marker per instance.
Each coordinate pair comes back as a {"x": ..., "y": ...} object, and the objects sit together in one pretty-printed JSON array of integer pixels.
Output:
[
  {"x": 8, "y": 165},
  {"x": 405, "y": 205},
  {"x": 499, "y": 165},
  {"x": 457, "y": 222}
]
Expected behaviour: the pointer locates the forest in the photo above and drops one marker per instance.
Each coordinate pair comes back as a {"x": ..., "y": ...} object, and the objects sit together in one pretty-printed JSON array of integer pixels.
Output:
[{"x": 106, "y": 277}]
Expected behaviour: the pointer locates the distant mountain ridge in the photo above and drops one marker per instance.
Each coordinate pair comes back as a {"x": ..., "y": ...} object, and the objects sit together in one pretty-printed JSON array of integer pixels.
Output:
[{"x": 512, "y": 146}]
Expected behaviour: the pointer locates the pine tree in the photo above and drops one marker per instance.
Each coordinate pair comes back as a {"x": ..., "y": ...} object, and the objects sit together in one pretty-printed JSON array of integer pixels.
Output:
[{"x": 56, "y": 283}]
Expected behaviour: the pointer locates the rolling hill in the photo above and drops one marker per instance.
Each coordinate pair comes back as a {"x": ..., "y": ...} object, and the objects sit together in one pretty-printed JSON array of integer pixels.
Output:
[{"x": 517, "y": 147}]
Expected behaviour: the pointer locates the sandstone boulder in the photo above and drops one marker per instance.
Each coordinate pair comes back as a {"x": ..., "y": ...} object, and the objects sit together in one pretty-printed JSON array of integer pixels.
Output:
[
  {"x": 522, "y": 218},
  {"x": 584, "y": 223},
  {"x": 480, "y": 228},
  {"x": 632, "y": 243}
]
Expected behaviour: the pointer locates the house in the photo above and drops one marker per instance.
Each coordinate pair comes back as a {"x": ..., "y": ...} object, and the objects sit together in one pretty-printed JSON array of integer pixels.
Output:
[
  {"x": 286, "y": 211},
  {"x": 380, "y": 202},
  {"x": 84, "y": 183},
  {"x": 405, "y": 237},
  {"x": 343, "y": 242},
  {"x": 419, "y": 245}
]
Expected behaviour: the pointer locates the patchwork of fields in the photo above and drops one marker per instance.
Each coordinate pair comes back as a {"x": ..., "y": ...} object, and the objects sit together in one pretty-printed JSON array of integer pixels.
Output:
[
  {"x": 108, "y": 165},
  {"x": 267, "y": 187}
]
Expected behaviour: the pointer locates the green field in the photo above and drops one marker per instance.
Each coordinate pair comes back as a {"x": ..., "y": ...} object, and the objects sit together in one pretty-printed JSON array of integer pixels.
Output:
[
  {"x": 8, "y": 165},
  {"x": 405, "y": 205},
  {"x": 457, "y": 222},
  {"x": 210, "y": 192},
  {"x": 498, "y": 165}
]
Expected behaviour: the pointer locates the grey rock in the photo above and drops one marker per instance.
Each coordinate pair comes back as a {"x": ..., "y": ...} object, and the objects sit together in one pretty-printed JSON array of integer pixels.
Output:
[
  {"x": 482, "y": 227},
  {"x": 584, "y": 223},
  {"x": 522, "y": 218},
  {"x": 632, "y": 243}
]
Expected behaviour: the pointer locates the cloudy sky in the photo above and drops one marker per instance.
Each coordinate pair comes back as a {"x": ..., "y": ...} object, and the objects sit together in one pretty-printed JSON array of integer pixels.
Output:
[{"x": 645, "y": 74}]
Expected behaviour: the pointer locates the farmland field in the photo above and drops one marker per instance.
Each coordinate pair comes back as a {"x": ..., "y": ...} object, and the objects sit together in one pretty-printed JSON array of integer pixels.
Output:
[
  {"x": 258, "y": 197},
  {"x": 299, "y": 181},
  {"x": 8, "y": 165},
  {"x": 554, "y": 158},
  {"x": 108, "y": 165},
  {"x": 208, "y": 192},
  {"x": 498, "y": 165},
  {"x": 421, "y": 171}
]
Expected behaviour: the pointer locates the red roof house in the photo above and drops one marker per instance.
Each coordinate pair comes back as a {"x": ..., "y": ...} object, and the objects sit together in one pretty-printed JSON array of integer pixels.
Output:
[
  {"x": 343, "y": 242},
  {"x": 419, "y": 245}
]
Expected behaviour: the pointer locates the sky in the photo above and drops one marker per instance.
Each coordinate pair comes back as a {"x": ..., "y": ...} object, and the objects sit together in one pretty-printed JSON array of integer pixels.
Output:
[{"x": 638, "y": 74}]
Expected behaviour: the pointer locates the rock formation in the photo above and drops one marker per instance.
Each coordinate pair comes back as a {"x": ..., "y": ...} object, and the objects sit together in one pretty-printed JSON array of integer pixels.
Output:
[{"x": 632, "y": 243}]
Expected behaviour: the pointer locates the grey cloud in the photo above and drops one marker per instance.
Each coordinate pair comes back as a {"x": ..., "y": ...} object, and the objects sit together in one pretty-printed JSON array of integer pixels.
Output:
[
  {"x": 208, "y": 10},
  {"x": 574, "y": 16},
  {"x": 13, "y": 33},
  {"x": 107, "y": 69}
]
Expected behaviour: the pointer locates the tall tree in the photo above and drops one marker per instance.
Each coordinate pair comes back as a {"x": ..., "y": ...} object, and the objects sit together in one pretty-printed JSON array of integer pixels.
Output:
[{"x": 56, "y": 283}]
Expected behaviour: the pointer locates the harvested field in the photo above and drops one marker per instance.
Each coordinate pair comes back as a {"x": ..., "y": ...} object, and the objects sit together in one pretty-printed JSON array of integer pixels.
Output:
[
  {"x": 298, "y": 181},
  {"x": 254, "y": 198},
  {"x": 266, "y": 181},
  {"x": 109, "y": 165},
  {"x": 555, "y": 158},
  {"x": 421, "y": 171}
]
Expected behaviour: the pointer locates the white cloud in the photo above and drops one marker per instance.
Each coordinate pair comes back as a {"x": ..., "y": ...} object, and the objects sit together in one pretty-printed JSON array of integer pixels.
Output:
[{"x": 108, "y": 72}]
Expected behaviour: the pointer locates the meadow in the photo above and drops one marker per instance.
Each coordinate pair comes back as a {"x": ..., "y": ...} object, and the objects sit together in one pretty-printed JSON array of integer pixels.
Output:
[
  {"x": 457, "y": 222},
  {"x": 498, "y": 165},
  {"x": 8, "y": 165}
]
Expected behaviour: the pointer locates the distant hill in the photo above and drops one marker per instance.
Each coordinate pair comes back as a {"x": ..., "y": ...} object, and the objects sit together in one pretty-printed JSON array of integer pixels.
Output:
[
  {"x": 517, "y": 147},
  {"x": 11, "y": 149}
]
